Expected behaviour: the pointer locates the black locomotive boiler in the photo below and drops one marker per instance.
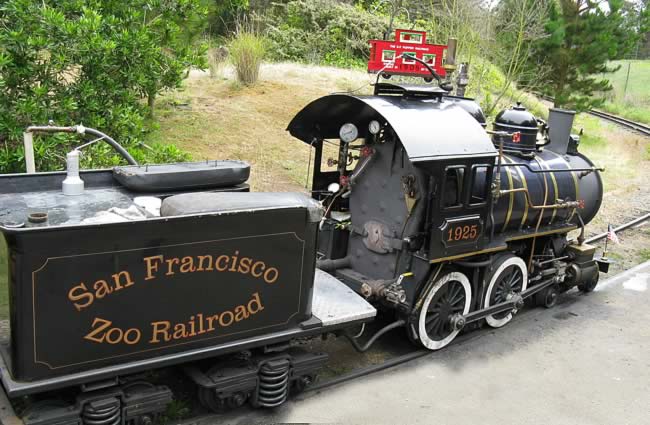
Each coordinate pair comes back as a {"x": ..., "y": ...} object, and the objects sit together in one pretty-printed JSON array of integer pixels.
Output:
[
  {"x": 432, "y": 217},
  {"x": 416, "y": 208}
]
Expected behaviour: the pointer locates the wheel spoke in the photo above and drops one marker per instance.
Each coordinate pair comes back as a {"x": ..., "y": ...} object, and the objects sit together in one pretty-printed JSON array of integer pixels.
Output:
[
  {"x": 432, "y": 325},
  {"x": 460, "y": 297},
  {"x": 432, "y": 318}
]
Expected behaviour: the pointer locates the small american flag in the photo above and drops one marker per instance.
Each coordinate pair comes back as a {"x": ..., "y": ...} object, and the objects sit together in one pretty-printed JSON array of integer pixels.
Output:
[{"x": 611, "y": 234}]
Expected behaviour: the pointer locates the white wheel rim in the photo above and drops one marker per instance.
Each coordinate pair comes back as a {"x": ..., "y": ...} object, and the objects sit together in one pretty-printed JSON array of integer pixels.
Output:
[
  {"x": 516, "y": 261},
  {"x": 422, "y": 331}
]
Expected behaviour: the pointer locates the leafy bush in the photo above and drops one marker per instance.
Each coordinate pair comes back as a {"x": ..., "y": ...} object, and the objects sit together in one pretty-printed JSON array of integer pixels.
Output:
[
  {"x": 90, "y": 62},
  {"x": 246, "y": 53},
  {"x": 322, "y": 31}
]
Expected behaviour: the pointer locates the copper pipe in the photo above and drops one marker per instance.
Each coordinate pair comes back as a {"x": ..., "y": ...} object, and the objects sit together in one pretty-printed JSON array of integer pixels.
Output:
[{"x": 569, "y": 204}]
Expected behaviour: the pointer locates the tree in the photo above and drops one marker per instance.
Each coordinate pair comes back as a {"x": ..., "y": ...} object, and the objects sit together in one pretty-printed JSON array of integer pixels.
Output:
[
  {"x": 90, "y": 62},
  {"x": 515, "y": 26},
  {"x": 582, "y": 36}
]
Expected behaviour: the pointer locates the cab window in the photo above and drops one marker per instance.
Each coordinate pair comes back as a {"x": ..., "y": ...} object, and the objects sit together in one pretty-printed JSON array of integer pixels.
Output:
[
  {"x": 453, "y": 187},
  {"x": 480, "y": 185}
]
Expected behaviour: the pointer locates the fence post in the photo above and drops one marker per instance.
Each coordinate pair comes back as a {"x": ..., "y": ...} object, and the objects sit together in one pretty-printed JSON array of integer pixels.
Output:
[{"x": 627, "y": 79}]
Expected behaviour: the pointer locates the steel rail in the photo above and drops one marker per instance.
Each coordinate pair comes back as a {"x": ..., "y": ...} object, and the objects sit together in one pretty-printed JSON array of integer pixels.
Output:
[
  {"x": 623, "y": 122},
  {"x": 619, "y": 228}
]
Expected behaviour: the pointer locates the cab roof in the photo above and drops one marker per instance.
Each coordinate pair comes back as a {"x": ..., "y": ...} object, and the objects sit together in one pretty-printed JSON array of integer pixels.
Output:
[{"x": 428, "y": 128}]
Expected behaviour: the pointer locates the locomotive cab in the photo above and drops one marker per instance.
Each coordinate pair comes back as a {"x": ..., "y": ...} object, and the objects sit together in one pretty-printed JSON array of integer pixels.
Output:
[{"x": 421, "y": 181}]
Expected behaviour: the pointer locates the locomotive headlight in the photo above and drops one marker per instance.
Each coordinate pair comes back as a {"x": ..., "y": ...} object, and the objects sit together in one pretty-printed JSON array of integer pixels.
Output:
[
  {"x": 349, "y": 132},
  {"x": 374, "y": 127}
]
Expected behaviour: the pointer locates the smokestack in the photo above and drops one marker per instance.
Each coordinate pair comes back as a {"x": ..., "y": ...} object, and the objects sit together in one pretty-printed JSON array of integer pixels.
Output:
[{"x": 560, "y": 122}]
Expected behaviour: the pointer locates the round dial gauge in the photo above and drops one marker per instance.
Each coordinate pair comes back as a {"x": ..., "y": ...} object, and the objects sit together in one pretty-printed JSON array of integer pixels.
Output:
[
  {"x": 374, "y": 127},
  {"x": 349, "y": 132}
]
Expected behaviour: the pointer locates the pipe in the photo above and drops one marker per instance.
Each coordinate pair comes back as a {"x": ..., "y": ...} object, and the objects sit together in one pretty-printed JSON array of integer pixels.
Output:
[
  {"x": 28, "y": 141},
  {"x": 619, "y": 228},
  {"x": 568, "y": 204},
  {"x": 558, "y": 170},
  {"x": 80, "y": 129},
  {"x": 366, "y": 346},
  {"x": 331, "y": 265}
]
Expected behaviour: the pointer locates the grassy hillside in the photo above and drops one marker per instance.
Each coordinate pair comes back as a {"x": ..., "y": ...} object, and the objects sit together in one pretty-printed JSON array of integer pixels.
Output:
[
  {"x": 218, "y": 119},
  {"x": 633, "y": 101}
]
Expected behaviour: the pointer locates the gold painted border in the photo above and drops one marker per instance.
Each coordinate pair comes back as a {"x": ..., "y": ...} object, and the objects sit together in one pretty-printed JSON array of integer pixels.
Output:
[
  {"x": 155, "y": 247},
  {"x": 512, "y": 198},
  {"x": 575, "y": 180}
]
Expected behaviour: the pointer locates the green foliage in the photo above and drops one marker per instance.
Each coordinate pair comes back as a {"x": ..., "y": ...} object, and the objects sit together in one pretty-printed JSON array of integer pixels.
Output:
[
  {"x": 581, "y": 37},
  {"x": 247, "y": 51},
  {"x": 90, "y": 62},
  {"x": 322, "y": 31}
]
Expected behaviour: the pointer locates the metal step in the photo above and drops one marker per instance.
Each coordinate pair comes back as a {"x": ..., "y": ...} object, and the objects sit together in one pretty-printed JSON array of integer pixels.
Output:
[{"x": 334, "y": 303}]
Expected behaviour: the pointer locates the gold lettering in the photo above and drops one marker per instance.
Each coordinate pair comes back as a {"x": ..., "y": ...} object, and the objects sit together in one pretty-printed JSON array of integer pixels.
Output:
[
  {"x": 200, "y": 317},
  {"x": 240, "y": 313},
  {"x": 123, "y": 274},
  {"x": 151, "y": 266},
  {"x": 255, "y": 305},
  {"x": 187, "y": 265},
  {"x": 219, "y": 260},
  {"x": 170, "y": 270},
  {"x": 102, "y": 289},
  {"x": 202, "y": 258},
  {"x": 245, "y": 265},
  {"x": 211, "y": 321},
  {"x": 255, "y": 266},
  {"x": 269, "y": 279},
  {"x": 180, "y": 331},
  {"x": 74, "y": 296},
  {"x": 192, "y": 326},
  {"x": 161, "y": 328},
  {"x": 221, "y": 318},
  {"x": 233, "y": 264}
]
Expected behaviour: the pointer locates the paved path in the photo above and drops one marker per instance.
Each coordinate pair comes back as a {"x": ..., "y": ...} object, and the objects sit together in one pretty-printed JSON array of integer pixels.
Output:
[{"x": 587, "y": 361}]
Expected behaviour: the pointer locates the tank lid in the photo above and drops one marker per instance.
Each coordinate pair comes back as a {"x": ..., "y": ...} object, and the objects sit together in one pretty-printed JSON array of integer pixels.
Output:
[{"x": 517, "y": 117}]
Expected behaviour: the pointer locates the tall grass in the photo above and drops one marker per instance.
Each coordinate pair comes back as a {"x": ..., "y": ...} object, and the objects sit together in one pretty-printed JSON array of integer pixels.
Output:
[{"x": 246, "y": 54}]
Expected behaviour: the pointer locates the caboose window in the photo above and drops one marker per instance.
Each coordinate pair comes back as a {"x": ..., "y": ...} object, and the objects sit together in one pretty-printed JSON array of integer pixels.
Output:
[
  {"x": 478, "y": 195},
  {"x": 453, "y": 189},
  {"x": 430, "y": 59},
  {"x": 410, "y": 37},
  {"x": 388, "y": 56},
  {"x": 411, "y": 54}
]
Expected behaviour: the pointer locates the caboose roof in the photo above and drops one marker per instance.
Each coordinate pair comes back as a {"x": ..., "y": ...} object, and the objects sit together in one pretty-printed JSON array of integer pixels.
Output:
[{"x": 429, "y": 129}]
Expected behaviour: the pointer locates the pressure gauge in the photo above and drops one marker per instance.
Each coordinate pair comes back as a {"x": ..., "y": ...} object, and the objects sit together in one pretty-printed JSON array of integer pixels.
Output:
[
  {"x": 374, "y": 127},
  {"x": 349, "y": 132}
]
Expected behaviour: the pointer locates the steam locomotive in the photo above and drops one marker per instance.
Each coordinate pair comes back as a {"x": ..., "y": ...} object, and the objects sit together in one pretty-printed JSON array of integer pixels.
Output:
[{"x": 416, "y": 209}]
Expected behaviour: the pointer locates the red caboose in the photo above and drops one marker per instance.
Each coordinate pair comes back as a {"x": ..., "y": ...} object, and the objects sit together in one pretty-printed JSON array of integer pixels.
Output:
[{"x": 386, "y": 55}]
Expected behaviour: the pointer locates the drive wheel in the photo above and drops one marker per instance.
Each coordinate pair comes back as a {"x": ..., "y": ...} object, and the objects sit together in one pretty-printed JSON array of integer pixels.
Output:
[
  {"x": 444, "y": 303},
  {"x": 509, "y": 277}
]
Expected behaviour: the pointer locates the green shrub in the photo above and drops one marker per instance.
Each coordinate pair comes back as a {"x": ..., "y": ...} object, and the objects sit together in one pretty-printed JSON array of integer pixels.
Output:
[
  {"x": 322, "y": 31},
  {"x": 91, "y": 62},
  {"x": 246, "y": 54}
]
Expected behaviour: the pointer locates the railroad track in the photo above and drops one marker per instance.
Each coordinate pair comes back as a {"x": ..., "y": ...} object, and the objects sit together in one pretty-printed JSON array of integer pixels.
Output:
[{"x": 623, "y": 122}]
